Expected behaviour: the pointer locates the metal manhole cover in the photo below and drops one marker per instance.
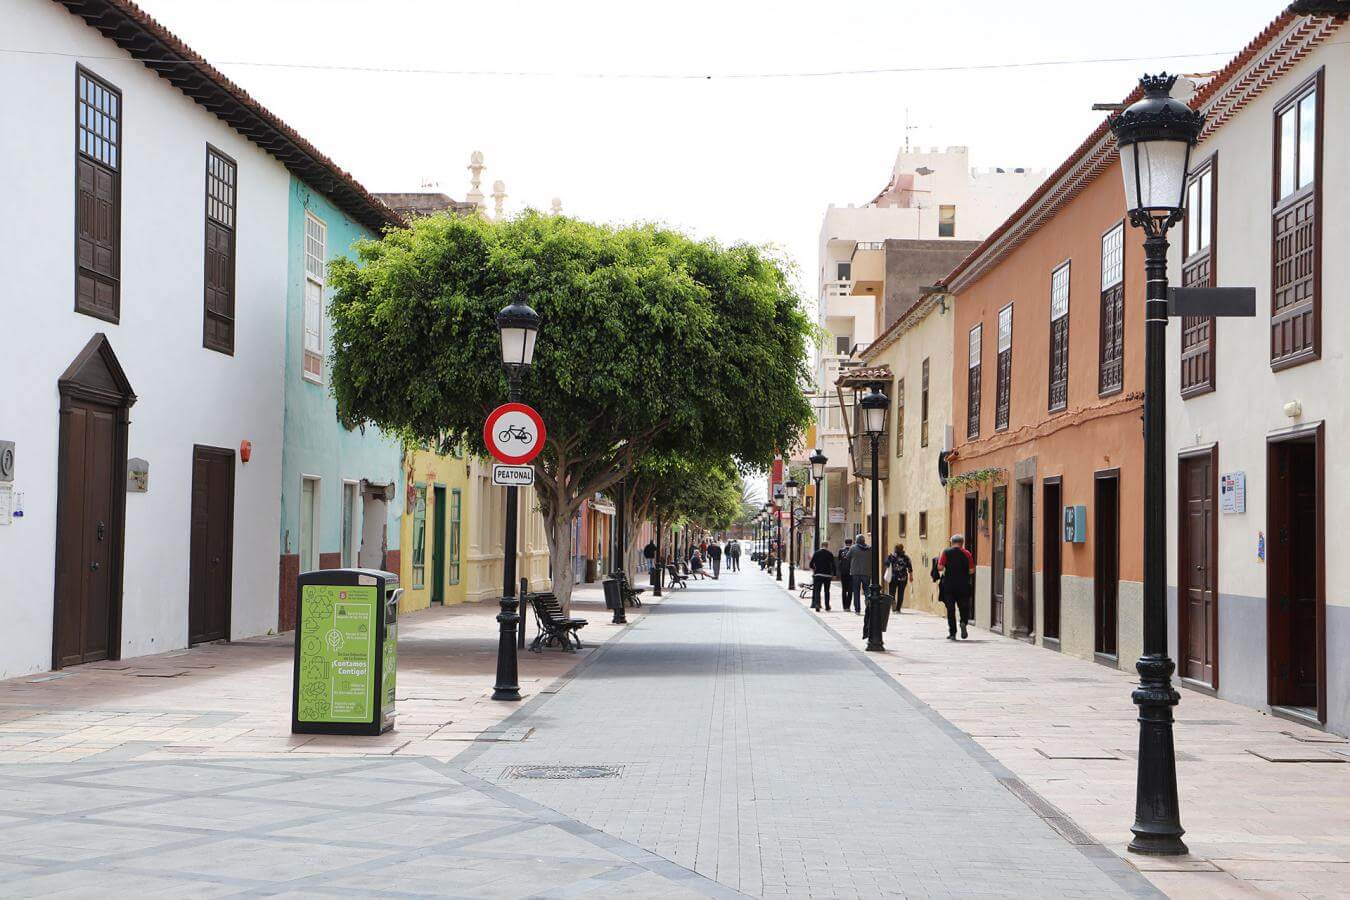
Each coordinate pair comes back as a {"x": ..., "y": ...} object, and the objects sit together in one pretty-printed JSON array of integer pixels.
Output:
[{"x": 563, "y": 772}]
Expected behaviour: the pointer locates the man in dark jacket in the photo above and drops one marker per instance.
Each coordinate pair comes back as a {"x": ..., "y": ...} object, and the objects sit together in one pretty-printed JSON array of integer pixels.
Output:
[
  {"x": 649, "y": 554},
  {"x": 898, "y": 570},
  {"x": 822, "y": 573},
  {"x": 860, "y": 572},
  {"x": 734, "y": 556},
  {"x": 715, "y": 557},
  {"x": 845, "y": 579},
  {"x": 958, "y": 584}
]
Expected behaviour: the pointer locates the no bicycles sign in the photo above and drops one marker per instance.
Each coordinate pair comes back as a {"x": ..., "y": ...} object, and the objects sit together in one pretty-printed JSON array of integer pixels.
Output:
[{"x": 514, "y": 433}]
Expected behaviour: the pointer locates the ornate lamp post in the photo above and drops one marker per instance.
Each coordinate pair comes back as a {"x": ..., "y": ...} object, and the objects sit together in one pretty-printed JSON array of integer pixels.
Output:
[
  {"x": 518, "y": 326},
  {"x": 1155, "y": 136},
  {"x": 875, "y": 406},
  {"x": 818, "y": 461},
  {"x": 768, "y": 508},
  {"x": 792, "y": 487}
]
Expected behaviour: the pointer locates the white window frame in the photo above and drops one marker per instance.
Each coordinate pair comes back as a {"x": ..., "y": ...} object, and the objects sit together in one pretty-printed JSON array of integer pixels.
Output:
[
  {"x": 1113, "y": 256},
  {"x": 1005, "y": 328},
  {"x": 1059, "y": 292},
  {"x": 974, "y": 345},
  {"x": 839, "y": 270},
  {"x": 315, "y": 282}
]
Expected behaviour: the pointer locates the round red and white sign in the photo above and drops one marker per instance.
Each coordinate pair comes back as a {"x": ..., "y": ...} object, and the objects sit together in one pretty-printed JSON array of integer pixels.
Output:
[{"x": 514, "y": 433}]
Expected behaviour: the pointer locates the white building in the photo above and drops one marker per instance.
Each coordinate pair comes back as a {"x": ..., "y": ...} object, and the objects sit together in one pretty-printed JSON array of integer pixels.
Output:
[
  {"x": 874, "y": 260},
  {"x": 1258, "y": 413},
  {"x": 146, "y": 258}
]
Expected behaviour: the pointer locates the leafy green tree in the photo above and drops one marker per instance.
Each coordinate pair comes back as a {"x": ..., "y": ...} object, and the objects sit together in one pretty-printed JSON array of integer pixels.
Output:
[{"x": 649, "y": 341}]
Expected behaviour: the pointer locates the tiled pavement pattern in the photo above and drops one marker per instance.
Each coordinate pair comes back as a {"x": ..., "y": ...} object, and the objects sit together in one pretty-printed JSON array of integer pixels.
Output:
[
  {"x": 301, "y": 826},
  {"x": 758, "y": 751}
]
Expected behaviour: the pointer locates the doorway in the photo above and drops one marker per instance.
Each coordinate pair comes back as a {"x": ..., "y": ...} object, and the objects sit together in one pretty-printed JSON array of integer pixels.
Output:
[
  {"x": 972, "y": 526},
  {"x": 90, "y": 506},
  {"x": 438, "y": 545},
  {"x": 211, "y": 543},
  {"x": 309, "y": 523},
  {"x": 1106, "y": 562},
  {"x": 1024, "y": 611},
  {"x": 1296, "y": 588},
  {"x": 1197, "y": 569},
  {"x": 1051, "y": 558},
  {"x": 998, "y": 558},
  {"x": 374, "y": 526}
]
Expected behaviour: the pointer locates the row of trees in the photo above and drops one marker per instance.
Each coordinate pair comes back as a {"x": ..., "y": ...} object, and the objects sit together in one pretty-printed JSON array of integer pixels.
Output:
[{"x": 671, "y": 362}]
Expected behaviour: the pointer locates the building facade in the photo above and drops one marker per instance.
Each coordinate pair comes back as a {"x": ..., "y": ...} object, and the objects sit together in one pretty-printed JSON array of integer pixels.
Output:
[
  {"x": 436, "y": 500},
  {"x": 1257, "y": 411},
  {"x": 152, "y": 262}
]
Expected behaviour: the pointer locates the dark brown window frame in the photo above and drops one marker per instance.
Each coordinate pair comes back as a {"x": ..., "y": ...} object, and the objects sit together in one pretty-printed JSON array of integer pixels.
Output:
[
  {"x": 232, "y": 227},
  {"x": 974, "y": 386},
  {"x": 1200, "y": 269},
  {"x": 900, "y": 417},
  {"x": 923, "y": 406},
  {"x": 115, "y": 277},
  {"x": 903, "y": 524},
  {"x": 1057, "y": 393},
  {"x": 1282, "y": 205},
  {"x": 1003, "y": 373},
  {"x": 923, "y": 523},
  {"x": 1113, "y": 296}
]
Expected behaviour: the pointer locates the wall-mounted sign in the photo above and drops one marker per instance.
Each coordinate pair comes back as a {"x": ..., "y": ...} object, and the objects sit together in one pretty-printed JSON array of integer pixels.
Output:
[
  {"x": 512, "y": 476},
  {"x": 1075, "y": 524},
  {"x": 837, "y": 515},
  {"x": 6, "y": 460},
  {"x": 138, "y": 476},
  {"x": 1233, "y": 492}
]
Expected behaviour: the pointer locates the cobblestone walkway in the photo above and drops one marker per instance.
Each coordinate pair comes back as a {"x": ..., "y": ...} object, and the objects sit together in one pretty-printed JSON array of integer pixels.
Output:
[{"x": 753, "y": 747}]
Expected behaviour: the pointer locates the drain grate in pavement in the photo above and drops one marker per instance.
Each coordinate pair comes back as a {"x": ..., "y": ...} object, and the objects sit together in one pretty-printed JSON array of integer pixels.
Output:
[
  {"x": 1053, "y": 817},
  {"x": 559, "y": 773}
]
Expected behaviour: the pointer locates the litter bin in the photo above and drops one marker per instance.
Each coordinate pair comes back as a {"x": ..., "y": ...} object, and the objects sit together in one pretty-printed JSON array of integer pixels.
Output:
[{"x": 346, "y": 652}]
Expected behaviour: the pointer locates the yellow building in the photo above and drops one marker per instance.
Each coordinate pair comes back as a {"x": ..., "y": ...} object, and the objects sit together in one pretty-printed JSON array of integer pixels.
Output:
[
  {"x": 486, "y": 530},
  {"x": 431, "y": 565}
]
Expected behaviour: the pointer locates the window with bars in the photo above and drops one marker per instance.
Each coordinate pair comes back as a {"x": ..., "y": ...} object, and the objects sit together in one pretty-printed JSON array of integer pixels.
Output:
[
  {"x": 221, "y": 188},
  {"x": 900, "y": 417},
  {"x": 1197, "y": 270},
  {"x": 1295, "y": 330},
  {"x": 1003, "y": 386},
  {"x": 98, "y": 196},
  {"x": 316, "y": 251},
  {"x": 1059, "y": 338},
  {"x": 973, "y": 382},
  {"x": 923, "y": 407},
  {"x": 1111, "y": 329}
]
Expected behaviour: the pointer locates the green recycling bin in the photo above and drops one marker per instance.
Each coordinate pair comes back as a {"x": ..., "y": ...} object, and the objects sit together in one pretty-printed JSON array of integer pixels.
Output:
[{"x": 346, "y": 652}]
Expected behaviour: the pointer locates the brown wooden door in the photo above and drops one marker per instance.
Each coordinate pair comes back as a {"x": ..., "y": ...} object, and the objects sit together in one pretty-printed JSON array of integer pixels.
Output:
[
  {"x": 972, "y": 532},
  {"x": 1295, "y": 568},
  {"x": 999, "y": 552},
  {"x": 1024, "y": 624},
  {"x": 1106, "y": 568},
  {"x": 1197, "y": 576},
  {"x": 1051, "y": 555},
  {"x": 88, "y": 548},
  {"x": 211, "y": 562}
]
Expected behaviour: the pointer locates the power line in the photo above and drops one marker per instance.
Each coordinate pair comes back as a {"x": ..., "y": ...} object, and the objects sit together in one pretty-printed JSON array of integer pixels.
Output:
[{"x": 637, "y": 76}]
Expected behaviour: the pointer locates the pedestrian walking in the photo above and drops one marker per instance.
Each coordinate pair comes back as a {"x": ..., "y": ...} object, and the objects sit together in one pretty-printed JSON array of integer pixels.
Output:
[
  {"x": 958, "y": 584},
  {"x": 845, "y": 579},
  {"x": 859, "y": 571},
  {"x": 715, "y": 557},
  {"x": 649, "y": 554},
  {"x": 899, "y": 572},
  {"x": 822, "y": 573},
  {"x": 734, "y": 555}
]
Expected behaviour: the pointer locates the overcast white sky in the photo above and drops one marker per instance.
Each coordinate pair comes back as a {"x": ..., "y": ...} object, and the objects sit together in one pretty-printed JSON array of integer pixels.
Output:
[{"x": 737, "y": 159}]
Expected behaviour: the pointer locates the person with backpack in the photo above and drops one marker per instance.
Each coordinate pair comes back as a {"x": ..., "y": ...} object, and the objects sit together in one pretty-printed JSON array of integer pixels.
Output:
[
  {"x": 899, "y": 570},
  {"x": 958, "y": 584}
]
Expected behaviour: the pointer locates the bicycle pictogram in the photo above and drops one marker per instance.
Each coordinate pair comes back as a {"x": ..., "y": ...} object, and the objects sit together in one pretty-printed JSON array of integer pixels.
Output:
[{"x": 515, "y": 433}]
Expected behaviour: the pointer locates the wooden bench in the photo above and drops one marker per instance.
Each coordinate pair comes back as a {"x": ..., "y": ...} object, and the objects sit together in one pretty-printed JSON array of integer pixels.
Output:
[
  {"x": 676, "y": 579},
  {"x": 631, "y": 595},
  {"x": 554, "y": 627}
]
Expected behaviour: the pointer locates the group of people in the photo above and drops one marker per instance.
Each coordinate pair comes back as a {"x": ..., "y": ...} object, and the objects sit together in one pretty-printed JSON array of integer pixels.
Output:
[
  {"x": 954, "y": 570},
  {"x": 702, "y": 556}
]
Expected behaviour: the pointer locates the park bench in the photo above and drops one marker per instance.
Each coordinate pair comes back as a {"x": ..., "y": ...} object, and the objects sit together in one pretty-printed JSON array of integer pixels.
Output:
[
  {"x": 554, "y": 627},
  {"x": 630, "y": 594},
  {"x": 676, "y": 579}
]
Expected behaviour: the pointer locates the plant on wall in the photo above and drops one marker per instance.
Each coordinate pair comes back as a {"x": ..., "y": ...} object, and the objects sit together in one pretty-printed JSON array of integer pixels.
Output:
[{"x": 977, "y": 479}]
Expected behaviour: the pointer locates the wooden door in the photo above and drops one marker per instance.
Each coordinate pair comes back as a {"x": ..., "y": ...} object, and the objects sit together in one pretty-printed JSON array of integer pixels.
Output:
[
  {"x": 88, "y": 547},
  {"x": 438, "y": 545},
  {"x": 211, "y": 561},
  {"x": 1295, "y": 612},
  {"x": 1052, "y": 511},
  {"x": 998, "y": 558},
  {"x": 1197, "y": 627},
  {"x": 1024, "y": 624},
  {"x": 1106, "y": 568},
  {"x": 972, "y": 526}
]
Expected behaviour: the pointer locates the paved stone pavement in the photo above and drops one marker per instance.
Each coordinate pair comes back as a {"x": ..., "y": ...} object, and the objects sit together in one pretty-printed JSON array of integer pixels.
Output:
[{"x": 755, "y": 748}]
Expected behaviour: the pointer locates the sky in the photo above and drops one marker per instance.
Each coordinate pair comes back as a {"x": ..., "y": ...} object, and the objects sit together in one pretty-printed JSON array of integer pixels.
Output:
[{"x": 753, "y": 159}]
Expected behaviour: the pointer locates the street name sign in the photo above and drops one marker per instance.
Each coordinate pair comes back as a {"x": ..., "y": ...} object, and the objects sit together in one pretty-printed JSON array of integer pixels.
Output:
[
  {"x": 1211, "y": 301},
  {"x": 514, "y": 434},
  {"x": 512, "y": 476}
]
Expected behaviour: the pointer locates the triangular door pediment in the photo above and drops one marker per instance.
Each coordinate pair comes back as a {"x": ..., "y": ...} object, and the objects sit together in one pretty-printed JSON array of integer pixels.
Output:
[{"x": 96, "y": 374}]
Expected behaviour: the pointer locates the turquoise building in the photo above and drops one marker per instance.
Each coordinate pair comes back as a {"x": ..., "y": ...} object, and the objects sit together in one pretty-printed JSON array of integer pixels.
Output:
[{"x": 340, "y": 497}]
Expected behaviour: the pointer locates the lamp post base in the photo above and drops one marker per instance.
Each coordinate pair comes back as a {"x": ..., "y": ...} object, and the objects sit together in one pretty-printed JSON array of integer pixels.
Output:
[
  {"x": 1157, "y": 817},
  {"x": 508, "y": 678}
]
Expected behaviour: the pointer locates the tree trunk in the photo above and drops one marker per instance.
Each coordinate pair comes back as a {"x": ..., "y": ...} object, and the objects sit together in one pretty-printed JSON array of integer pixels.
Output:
[{"x": 559, "y": 531}]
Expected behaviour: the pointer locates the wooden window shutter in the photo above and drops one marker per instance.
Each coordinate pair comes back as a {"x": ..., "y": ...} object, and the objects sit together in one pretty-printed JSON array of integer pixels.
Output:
[
  {"x": 221, "y": 191},
  {"x": 98, "y": 197}
]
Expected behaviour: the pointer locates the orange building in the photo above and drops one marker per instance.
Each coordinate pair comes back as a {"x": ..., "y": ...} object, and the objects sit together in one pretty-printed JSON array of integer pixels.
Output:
[{"x": 1047, "y": 468}]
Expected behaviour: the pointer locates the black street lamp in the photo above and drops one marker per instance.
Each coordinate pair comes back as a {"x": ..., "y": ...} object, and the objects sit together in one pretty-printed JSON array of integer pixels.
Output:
[
  {"x": 818, "y": 461},
  {"x": 518, "y": 326},
  {"x": 1155, "y": 136},
  {"x": 768, "y": 508},
  {"x": 875, "y": 405},
  {"x": 792, "y": 488}
]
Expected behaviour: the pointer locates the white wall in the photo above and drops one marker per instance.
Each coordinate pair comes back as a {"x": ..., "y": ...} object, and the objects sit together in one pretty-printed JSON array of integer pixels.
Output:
[{"x": 187, "y": 395}]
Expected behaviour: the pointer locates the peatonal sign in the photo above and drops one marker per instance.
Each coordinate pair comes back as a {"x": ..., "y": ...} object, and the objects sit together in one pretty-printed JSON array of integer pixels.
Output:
[
  {"x": 514, "y": 434},
  {"x": 512, "y": 476}
]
